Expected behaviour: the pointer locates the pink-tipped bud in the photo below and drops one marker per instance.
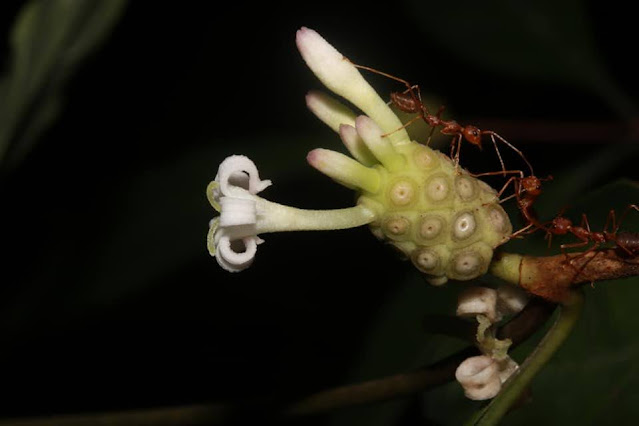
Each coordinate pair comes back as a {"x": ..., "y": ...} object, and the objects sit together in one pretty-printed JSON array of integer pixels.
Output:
[{"x": 344, "y": 169}]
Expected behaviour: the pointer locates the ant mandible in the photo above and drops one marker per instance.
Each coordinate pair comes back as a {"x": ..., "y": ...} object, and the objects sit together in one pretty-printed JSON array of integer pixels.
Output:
[{"x": 410, "y": 101}]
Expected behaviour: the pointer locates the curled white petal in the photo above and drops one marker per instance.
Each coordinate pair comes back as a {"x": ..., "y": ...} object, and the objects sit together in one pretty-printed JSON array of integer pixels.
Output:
[
  {"x": 236, "y": 255},
  {"x": 238, "y": 172},
  {"x": 478, "y": 301},
  {"x": 237, "y": 211},
  {"x": 479, "y": 376},
  {"x": 233, "y": 235}
]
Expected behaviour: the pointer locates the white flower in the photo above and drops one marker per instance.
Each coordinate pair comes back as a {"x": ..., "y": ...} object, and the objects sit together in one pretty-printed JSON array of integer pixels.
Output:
[
  {"x": 475, "y": 301},
  {"x": 233, "y": 236},
  {"x": 482, "y": 376},
  {"x": 493, "y": 304},
  {"x": 479, "y": 376}
]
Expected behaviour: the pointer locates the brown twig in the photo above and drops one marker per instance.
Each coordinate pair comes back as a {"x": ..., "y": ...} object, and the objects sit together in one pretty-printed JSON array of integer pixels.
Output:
[{"x": 553, "y": 277}]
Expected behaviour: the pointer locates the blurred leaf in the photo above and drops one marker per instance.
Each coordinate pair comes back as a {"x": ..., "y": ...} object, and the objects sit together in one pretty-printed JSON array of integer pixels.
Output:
[
  {"x": 157, "y": 224},
  {"x": 397, "y": 343},
  {"x": 532, "y": 40},
  {"x": 92, "y": 30},
  {"x": 41, "y": 119},
  {"x": 569, "y": 185},
  {"x": 595, "y": 368},
  {"x": 48, "y": 39}
]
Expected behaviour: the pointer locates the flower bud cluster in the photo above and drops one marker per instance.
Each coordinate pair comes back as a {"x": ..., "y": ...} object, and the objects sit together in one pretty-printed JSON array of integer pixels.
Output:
[{"x": 442, "y": 218}]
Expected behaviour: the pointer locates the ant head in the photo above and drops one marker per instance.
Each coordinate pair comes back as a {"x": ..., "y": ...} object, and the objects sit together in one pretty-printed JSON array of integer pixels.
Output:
[
  {"x": 472, "y": 134},
  {"x": 531, "y": 184},
  {"x": 561, "y": 225}
]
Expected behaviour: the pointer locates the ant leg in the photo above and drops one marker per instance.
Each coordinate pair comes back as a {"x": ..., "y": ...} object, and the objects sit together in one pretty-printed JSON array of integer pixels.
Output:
[
  {"x": 430, "y": 136},
  {"x": 452, "y": 149},
  {"x": 512, "y": 180},
  {"x": 513, "y": 147},
  {"x": 584, "y": 221},
  {"x": 439, "y": 113},
  {"x": 408, "y": 123},
  {"x": 549, "y": 238},
  {"x": 508, "y": 172},
  {"x": 623, "y": 216},
  {"x": 578, "y": 271},
  {"x": 611, "y": 218},
  {"x": 382, "y": 73},
  {"x": 414, "y": 87},
  {"x": 503, "y": 168},
  {"x": 459, "y": 144},
  {"x": 524, "y": 230},
  {"x": 410, "y": 88},
  {"x": 576, "y": 245},
  {"x": 581, "y": 243}
]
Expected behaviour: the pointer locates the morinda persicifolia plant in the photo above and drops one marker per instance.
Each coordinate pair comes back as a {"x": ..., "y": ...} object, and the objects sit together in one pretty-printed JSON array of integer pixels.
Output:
[{"x": 445, "y": 220}]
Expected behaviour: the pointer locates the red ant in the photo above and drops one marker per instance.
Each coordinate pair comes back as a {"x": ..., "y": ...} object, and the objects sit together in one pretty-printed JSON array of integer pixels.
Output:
[
  {"x": 410, "y": 101},
  {"x": 526, "y": 191},
  {"x": 626, "y": 241}
]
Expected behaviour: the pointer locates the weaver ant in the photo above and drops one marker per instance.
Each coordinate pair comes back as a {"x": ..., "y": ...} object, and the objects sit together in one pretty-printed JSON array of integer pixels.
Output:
[
  {"x": 526, "y": 191},
  {"x": 626, "y": 241},
  {"x": 410, "y": 101}
]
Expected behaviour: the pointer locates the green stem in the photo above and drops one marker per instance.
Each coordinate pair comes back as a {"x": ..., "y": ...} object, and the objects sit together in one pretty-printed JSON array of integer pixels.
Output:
[{"x": 510, "y": 393}]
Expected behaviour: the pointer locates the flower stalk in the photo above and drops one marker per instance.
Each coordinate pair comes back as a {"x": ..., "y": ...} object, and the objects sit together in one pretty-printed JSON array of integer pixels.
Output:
[{"x": 555, "y": 277}]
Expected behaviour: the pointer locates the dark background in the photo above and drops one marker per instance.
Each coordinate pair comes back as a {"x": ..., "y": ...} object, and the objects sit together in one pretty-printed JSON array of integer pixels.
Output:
[{"x": 110, "y": 299}]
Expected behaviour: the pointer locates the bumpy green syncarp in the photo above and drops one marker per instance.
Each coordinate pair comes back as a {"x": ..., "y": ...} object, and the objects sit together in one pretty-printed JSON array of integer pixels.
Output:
[{"x": 446, "y": 221}]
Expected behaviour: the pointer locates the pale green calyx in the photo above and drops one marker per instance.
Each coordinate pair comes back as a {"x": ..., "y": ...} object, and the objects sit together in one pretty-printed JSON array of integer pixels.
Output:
[
  {"x": 442, "y": 218},
  {"x": 233, "y": 236}
]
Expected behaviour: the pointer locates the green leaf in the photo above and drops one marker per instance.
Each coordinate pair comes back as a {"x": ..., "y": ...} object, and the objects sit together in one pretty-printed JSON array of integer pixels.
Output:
[
  {"x": 542, "y": 40},
  {"x": 49, "y": 38},
  {"x": 397, "y": 343}
]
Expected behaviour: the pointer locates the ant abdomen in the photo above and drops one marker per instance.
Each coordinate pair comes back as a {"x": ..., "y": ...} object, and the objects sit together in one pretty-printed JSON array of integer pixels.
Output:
[
  {"x": 405, "y": 102},
  {"x": 629, "y": 241}
]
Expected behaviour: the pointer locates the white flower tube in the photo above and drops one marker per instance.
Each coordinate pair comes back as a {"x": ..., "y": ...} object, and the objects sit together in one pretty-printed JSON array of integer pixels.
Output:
[{"x": 233, "y": 236}]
